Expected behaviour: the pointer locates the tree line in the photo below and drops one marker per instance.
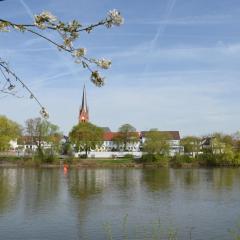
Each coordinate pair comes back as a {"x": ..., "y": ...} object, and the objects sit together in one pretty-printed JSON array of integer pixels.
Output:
[
  {"x": 215, "y": 149},
  {"x": 84, "y": 136},
  {"x": 37, "y": 131}
]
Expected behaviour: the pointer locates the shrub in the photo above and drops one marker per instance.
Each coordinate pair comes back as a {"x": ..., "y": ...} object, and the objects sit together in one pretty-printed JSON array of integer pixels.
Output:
[
  {"x": 182, "y": 159},
  {"x": 128, "y": 156},
  {"x": 236, "y": 159},
  {"x": 155, "y": 158},
  {"x": 209, "y": 159},
  {"x": 45, "y": 156}
]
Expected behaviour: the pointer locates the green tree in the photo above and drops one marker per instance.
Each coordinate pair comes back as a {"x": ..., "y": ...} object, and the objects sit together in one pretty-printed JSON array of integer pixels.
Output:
[
  {"x": 67, "y": 148},
  {"x": 222, "y": 149},
  {"x": 191, "y": 145},
  {"x": 220, "y": 142},
  {"x": 9, "y": 130},
  {"x": 126, "y": 135},
  {"x": 156, "y": 143},
  {"x": 39, "y": 131},
  {"x": 86, "y": 136}
]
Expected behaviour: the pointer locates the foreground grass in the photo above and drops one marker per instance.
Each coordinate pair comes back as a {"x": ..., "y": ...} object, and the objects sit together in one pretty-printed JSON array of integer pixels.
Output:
[{"x": 156, "y": 231}]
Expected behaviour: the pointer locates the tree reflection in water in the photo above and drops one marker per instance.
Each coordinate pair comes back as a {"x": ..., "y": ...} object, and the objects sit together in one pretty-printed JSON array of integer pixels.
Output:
[
  {"x": 10, "y": 182},
  {"x": 40, "y": 189},
  {"x": 156, "y": 179}
]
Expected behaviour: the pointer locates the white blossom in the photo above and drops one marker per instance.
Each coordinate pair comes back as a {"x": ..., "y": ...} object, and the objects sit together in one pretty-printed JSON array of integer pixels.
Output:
[
  {"x": 104, "y": 63},
  {"x": 73, "y": 26},
  {"x": 80, "y": 52},
  {"x": 4, "y": 27},
  {"x": 115, "y": 17},
  {"x": 67, "y": 42},
  {"x": 43, "y": 18},
  {"x": 44, "y": 113}
]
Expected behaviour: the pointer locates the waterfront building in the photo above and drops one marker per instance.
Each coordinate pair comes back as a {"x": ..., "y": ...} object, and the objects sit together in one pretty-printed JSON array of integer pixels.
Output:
[
  {"x": 173, "y": 138},
  {"x": 111, "y": 147}
]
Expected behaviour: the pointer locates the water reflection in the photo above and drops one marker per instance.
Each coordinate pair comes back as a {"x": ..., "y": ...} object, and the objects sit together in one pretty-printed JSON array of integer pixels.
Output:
[
  {"x": 76, "y": 205},
  {"x": 40, "y": 189},
  {"x": 156, "y": 179},
  {"x": 226, "y": 178},
  {"x": 10, "y": 182},
  {"x": 85, "y": 183}
]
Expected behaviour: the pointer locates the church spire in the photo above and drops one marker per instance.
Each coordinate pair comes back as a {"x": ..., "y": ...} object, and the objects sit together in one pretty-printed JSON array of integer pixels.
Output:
[{"x": 83, "y": 113}]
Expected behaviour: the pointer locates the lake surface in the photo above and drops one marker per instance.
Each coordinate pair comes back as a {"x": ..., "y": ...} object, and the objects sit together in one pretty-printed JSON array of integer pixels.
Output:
[{"x": 119, "y": 203}]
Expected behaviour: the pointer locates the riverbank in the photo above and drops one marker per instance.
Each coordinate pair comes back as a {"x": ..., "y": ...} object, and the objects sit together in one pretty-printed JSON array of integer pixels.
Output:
[
  {"x": 8, "y": 161},
  {"x": 79, "y": 163}
]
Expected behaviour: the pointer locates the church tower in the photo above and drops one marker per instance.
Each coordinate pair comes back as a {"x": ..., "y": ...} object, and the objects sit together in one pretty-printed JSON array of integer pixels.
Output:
[{"x": 83, "y": 113}]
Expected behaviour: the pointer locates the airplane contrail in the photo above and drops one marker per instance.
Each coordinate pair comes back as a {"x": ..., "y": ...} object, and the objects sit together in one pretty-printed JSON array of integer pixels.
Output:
[
  {"x": 161, "y": 29},
  {"x": 31, "y": 15},
  {"x": 28, "y": 10}
]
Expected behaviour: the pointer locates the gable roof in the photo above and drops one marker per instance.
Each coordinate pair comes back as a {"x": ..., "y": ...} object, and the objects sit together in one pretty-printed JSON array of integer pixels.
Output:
[
  {"x": 109, "y": 136},
  {"x": 174, "y": 135}
]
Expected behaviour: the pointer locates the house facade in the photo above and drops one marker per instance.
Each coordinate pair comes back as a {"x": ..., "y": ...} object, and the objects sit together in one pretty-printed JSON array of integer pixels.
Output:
[
  {"x": 110, "y": 148},
  {"x": 25, "y": 145},
  {"x": 173, "y": 138}
]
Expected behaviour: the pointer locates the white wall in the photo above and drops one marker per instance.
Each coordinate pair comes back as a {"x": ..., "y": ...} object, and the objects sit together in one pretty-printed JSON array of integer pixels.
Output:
[
  {"x": 13, "y": 144},
  {"x": 94, "y": 154}
]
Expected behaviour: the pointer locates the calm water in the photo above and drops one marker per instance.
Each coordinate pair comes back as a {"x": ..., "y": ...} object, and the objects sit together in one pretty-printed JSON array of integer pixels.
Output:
[{"x": 121, "y": 203}]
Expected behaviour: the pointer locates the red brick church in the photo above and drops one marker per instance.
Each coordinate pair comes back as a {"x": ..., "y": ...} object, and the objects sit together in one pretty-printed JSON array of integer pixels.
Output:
[{"x": 83, "y": 113}]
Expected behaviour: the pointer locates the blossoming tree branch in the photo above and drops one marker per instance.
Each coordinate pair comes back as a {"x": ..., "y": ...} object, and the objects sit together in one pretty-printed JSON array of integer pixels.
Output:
[{"x": 69, "y": 33}]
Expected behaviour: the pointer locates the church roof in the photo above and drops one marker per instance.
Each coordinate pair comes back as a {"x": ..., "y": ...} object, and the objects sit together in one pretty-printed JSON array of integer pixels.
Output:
[
  {"x": 84, "y": 106},
  {"x": 83, "y": 113}
]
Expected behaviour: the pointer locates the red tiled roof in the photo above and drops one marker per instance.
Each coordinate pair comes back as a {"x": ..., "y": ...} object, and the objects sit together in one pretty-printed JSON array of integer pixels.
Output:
[
  {"x": 109, "y": 136},
  {"x": 174, "y": 135},
  {"x": 25, "y": 139}
]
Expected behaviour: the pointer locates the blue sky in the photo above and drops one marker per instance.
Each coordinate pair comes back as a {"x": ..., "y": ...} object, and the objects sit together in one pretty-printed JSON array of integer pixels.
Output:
[{"x": 175, "y": 65}]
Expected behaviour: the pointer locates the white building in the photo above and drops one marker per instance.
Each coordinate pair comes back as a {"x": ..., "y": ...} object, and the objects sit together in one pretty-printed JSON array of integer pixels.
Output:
[
  {"x": 26, "y": 145},
  {"x": 111, "y": 149},
  {"x": 173, "y": 138}
]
